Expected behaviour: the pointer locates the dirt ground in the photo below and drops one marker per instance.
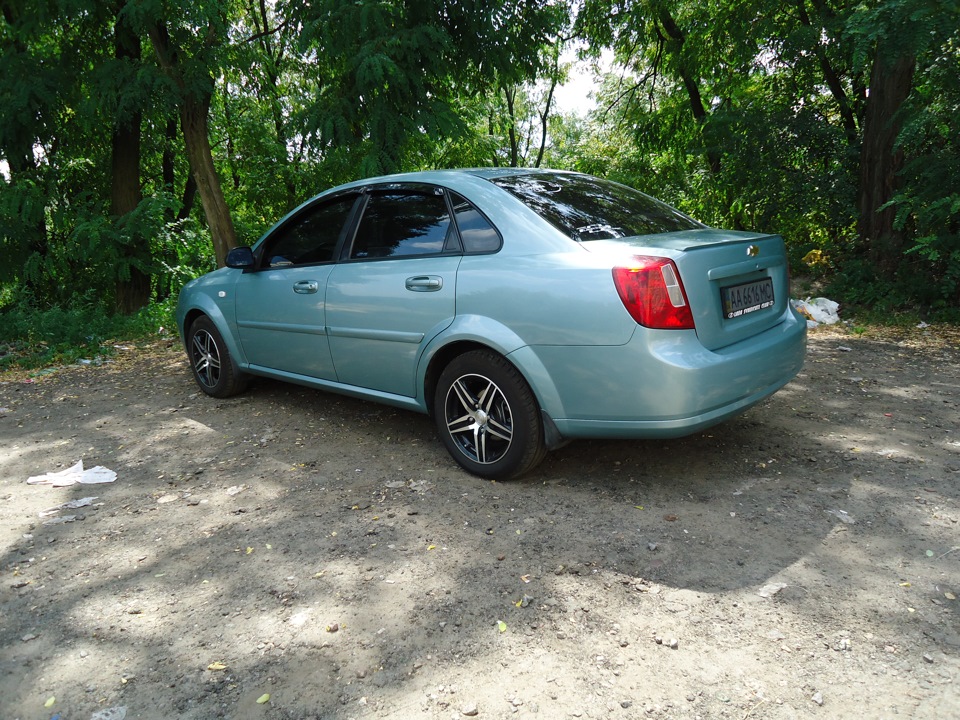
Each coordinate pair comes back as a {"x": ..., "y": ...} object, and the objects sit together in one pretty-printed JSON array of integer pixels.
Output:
[{"x": 294, "y": 554}]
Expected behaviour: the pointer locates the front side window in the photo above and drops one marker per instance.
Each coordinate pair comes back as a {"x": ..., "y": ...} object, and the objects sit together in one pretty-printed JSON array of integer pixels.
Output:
[
  {"x": 397, "y": 223},
  {"x": 311, "y": 236},
  {"x": 588, "y": 208}
]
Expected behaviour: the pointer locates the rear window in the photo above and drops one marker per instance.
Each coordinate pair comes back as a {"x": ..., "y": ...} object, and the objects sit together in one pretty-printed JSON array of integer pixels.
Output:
[{"x": 588, "y": 208}]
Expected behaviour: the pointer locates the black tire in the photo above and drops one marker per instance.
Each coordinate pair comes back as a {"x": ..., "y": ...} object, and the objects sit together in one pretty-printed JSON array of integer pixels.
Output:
[
  {"x": 487, "y": 416},
  {"x": 213, "y": 366}
]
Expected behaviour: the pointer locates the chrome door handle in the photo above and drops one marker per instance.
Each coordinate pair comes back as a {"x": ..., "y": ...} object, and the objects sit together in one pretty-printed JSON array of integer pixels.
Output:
[
  {"x": 424, "y": 283},
  {"x": 306, "y": 287}
]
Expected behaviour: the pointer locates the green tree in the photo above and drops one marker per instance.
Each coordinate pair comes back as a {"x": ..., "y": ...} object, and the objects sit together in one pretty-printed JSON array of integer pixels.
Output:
[{"x": 392, "y": 72}]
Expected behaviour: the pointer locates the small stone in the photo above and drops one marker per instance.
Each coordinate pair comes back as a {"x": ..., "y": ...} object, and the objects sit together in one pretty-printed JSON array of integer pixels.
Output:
[
  {"x": 674, "y": 643},
  {"x": 470, "y": 710},
  {"x": 927, "y": 657},
  {"x": 625, "y": 704},
  {"x": 651, "y": 546},
  {"x": 817, "y": 698}
]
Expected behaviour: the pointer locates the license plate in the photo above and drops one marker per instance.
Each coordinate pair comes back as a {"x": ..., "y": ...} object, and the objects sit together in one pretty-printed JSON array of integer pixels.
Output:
[{"x": 747, "y": 298}]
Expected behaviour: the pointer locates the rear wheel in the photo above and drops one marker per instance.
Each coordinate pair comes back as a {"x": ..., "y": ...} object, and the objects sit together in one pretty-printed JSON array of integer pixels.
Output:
[
  {"x": 488, "y": 417},
  {"x": 213, "y": 367}
]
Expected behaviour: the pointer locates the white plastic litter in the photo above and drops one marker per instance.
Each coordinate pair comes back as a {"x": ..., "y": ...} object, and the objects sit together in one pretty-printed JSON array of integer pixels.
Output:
[
  {"x": 818, "y": 310},
  {"x": 72, "y": 505},
  {"x": 843, "y": 516},
  {"x": 114, "y": 713},
  {"x": 771, "y": 589},
  {"x": 75, "y": 474}
]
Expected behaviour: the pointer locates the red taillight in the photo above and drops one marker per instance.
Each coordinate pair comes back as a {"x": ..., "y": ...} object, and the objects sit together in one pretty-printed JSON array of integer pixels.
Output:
[{"x": 653, "y": 294}]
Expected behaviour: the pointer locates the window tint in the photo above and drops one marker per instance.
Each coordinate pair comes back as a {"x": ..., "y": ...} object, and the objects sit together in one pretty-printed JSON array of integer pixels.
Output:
[
  {"x": 589, "y": 208},
  {"x": 402, "y": 223},
  {"x": 311, "y": 237},
  {"x": 476, "y": 232}
]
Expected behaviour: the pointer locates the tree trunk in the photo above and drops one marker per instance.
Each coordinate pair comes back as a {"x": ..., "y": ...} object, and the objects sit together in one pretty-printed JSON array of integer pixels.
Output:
[
  {"x": 880, "y": 161},
  {"x": 134, "y": 292},
  {"x": 700, "y": 114},
  {"x": 193, "y": 120},
  {"x": 194, "y": 113}
]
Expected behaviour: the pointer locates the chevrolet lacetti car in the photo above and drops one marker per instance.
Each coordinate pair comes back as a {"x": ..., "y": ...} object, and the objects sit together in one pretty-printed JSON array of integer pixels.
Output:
[{"x": 519, "y": 308}]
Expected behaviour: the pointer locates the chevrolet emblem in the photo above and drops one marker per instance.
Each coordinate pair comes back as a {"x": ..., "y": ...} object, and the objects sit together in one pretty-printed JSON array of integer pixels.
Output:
[{"x": 753, "y": 251}]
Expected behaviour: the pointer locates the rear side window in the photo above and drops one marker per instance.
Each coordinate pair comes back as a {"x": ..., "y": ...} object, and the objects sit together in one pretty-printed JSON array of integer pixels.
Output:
[
  {"x": 396, "y": 224},
  {"x": 311, "y": 236},
  {"x": 588, "y": 208},
  {"x": 476, "y": 232}
]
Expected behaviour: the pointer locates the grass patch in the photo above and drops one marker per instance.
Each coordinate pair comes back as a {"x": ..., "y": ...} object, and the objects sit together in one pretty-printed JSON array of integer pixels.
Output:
[{"x": 32, "y": 338}]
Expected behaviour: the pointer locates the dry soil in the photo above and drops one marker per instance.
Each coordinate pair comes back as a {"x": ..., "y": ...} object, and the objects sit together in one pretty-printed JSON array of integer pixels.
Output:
[{"x": 294, "y": 554}]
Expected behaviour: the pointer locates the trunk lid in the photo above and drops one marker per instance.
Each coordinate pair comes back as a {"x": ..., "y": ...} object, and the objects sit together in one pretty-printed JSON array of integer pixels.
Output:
[{"x": 736, "y": 282}]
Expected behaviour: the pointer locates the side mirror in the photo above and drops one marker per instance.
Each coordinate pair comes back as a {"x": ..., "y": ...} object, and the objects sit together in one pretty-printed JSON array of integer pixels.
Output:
[{"x": 240, "y": 258}]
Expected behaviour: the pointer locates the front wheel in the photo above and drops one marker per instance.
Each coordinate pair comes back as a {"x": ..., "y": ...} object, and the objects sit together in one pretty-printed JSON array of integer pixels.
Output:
[
  {"x": 487, "y": 416},
  {"x": 213, "y": 367}
]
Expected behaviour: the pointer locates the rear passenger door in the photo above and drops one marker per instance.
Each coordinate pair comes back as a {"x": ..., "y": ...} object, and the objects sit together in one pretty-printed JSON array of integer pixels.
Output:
[{"x": 394, "y": 289}]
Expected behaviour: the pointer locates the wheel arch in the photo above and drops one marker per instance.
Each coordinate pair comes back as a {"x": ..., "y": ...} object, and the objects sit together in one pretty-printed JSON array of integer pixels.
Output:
[
  {"x": 476, "y": 333},
  {"x": 212, "y": 311}
]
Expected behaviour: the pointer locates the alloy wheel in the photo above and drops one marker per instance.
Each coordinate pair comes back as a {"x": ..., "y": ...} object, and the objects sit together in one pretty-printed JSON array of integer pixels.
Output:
[{"x": 479, "y": 418}]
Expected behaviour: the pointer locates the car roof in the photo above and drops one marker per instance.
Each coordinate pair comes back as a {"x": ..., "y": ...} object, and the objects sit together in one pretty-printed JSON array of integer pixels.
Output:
[{"x": 442, "y": 176}]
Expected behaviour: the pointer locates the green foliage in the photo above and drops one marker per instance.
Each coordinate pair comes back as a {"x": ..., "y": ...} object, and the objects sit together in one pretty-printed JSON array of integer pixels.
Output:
[
  {"x": 392, "y": 72},
  {"x": 31, "y": 337},
  {"x": 744, "y": 113}
]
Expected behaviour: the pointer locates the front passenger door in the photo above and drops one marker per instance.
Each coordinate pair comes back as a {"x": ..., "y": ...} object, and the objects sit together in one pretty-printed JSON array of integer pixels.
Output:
[{"x": 281, "y": 307}]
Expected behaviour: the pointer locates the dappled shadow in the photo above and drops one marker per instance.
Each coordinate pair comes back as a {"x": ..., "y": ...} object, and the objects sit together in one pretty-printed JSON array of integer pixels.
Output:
[{"x": 328, "y": 552}]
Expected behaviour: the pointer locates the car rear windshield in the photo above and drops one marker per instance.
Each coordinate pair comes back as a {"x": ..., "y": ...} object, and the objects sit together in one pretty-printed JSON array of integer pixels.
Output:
[{"x": 588, "y": 208}]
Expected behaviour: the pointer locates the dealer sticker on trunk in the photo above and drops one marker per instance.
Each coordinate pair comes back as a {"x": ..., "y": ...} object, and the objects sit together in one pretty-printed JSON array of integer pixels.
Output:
[{"x": 747, "y": 298}]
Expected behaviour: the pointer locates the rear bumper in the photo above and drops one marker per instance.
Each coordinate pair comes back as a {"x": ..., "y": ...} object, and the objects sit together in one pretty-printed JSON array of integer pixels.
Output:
[{"x": 664, "y": 383}]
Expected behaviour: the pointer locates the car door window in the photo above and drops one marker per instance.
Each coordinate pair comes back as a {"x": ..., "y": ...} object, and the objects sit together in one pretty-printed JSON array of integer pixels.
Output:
[
  {"x": 310, "y": 237},
  {"x": 477, "y": 234},
  {"x": 396, "y": 224}
]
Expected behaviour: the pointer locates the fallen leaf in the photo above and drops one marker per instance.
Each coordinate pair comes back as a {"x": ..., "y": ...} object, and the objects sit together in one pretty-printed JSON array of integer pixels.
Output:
[
  {"x": 905, "y": 584},
  {"x": 501, "y": 626},
  {"x": 216, "y": 666},
  {"x": 950, "y": 596},
  {"x": 670, "y": 518},
  {"x": 525, "y": 578},
  {"x": 638, "y": 507},
  {"x": 50, "y": 701},
  {"x": 249, "y": 550},
  {"x": 265, "y": 698},
  {"x": 432, "y": 547}
]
